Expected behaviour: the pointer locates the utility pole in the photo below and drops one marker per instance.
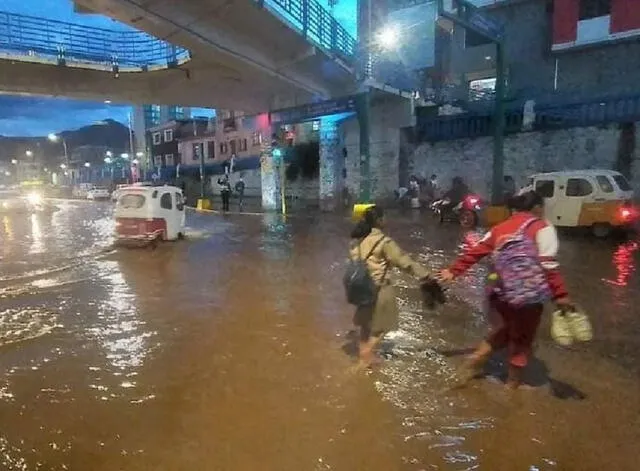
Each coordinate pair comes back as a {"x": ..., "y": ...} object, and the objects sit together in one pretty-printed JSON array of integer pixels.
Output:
[{"x": 363, "y": 104}]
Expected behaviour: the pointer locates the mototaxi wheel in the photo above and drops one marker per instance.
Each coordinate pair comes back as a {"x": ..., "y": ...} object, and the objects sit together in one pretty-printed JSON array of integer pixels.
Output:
[{"x": 601, "y": 230}]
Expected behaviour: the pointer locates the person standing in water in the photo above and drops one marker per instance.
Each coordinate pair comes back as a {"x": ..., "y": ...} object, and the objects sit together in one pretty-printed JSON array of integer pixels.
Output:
[
  {"x": 538, "y": 279},
  {"x": 380, "y": 254},
  {"x": 240, "y": 186},
  {"x": 225, "y": 191}
]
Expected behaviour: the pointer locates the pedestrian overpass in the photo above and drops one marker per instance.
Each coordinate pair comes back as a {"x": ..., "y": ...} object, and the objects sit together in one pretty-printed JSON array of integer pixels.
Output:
[{"x": 250, "y": 55}]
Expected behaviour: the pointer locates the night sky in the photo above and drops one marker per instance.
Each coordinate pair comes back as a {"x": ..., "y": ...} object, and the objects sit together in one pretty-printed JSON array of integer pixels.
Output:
[{"x": 37, "y": 116}]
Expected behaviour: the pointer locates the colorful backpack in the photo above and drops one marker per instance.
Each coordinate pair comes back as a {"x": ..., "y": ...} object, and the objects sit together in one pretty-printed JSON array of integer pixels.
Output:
[{"x": 522, "y": 279}]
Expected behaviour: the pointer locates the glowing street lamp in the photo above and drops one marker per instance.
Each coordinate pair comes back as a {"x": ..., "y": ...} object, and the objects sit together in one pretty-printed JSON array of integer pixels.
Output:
[
  {"x": 63, "y": 166},
  {"x": 107, "y": 160},
  {"x": 28, "y": 153},
  {"x": 14, "y": 161},
  {"x": 124, "y": 155},
  {"x": 7, "y": 173},
  {"x": 87, "y": 164},
  {"x": 388, "y": 38},
  {"x": 55, "y": 138},
  {"x": 109, "y": 153}
]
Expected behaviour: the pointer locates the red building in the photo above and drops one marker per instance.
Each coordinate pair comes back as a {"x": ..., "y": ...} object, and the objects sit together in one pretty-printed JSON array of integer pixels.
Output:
[{"x": 578, "y": 23}]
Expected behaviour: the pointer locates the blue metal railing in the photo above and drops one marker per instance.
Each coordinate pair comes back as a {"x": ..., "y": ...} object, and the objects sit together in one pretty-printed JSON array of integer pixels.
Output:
[
  {"x": 315, "y": 23},
  {"x": 548, "y": 116},
  {"x": 33, "y": 39}
]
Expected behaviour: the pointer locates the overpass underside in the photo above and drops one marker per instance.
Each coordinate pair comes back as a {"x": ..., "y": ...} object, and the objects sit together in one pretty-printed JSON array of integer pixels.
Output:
[{"x": 243, "y": 57}]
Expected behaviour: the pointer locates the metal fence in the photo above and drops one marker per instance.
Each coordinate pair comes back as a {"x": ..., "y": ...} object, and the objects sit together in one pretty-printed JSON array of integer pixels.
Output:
[
  {"x": 35, "y": 39},
  {"x": 548, "y": 116},
  {"x": 315, "y": 23}
]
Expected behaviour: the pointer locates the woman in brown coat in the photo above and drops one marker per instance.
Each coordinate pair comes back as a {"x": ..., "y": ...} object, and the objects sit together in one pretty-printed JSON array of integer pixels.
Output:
[{"x": 381, "y": 254}]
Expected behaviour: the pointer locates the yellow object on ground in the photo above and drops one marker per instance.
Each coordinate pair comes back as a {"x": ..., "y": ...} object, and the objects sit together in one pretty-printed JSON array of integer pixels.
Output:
[
  {"x": 359, "y": 209},
  {"x": 203, "y": 204},
  {"x": 495, "y": 215}
]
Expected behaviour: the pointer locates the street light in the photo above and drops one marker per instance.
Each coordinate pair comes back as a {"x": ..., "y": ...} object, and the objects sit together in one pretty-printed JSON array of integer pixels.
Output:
[
  {"x": 109, "y": 153},
  {"x": 28, "y": 153},
  {"x": 139, "y": 154},
  {"x": 63, "y": 166},
  {"x": 107, "y": 160},
  {"x": 124, "y": 155},
  {"x": 14, "y": 161},
  {"x": 7, "y": 173},
  {"x": 87, "y": 164},
  {"x": 55, "y": 138},
  {"x": 388, "y": 37}
]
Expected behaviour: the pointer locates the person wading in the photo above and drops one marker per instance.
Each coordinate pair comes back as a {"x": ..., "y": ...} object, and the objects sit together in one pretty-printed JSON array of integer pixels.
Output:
[
  {"x": 376, "y": 312},
  {"x": 525, "y": 275}
]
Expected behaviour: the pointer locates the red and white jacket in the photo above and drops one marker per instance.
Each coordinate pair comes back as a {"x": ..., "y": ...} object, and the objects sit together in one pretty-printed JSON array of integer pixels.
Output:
[{"x": 542, "y": 232}]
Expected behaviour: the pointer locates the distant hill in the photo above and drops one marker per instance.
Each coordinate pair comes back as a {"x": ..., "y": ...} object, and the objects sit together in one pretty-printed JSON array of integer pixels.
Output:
[{"x": 108, "y": 134}]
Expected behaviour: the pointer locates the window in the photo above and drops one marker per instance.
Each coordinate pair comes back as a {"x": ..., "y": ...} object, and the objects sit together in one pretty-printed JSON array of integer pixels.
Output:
[
  {"x": 131, "y": 201},
  {"x": 472, "y": 39},
  {"x": 157, "y": 161},
  {"x": 481, "y": 89},
  {"x": 604, "y": 183},
  {"x": 157, "y": 139},
  {"x": 622, "y": 183},
  {"x": 257, "y": 139},
  {"x": 578, "y": 187},
  {"x": 211, "y": 150},
  {"x": 179, "y": 201},
  {"x": 165, "y": 201},
  {"x": 545, "y": 188},
  {"x": 168, "y": 160},
  {"x": 594, "y": 8},
  {"x": 198, "y": 151},
  {"x": 223, "y": 148},
  {"x": 168, "y": 135},
  {"x": 243, "y": 145}
]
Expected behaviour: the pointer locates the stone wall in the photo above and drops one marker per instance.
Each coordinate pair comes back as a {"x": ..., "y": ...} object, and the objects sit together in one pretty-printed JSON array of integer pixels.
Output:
[{"x": 525, "y": 153}]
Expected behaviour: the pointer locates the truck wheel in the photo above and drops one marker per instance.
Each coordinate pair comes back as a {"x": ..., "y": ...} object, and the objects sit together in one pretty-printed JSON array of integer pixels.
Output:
[{"x": 601, "y": 230}]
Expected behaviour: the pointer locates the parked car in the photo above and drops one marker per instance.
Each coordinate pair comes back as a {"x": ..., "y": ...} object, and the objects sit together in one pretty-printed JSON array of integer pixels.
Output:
[{"x": 98, "y": 194}]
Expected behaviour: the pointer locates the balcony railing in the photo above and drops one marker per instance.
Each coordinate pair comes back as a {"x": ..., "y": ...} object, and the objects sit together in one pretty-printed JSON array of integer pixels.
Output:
[
  {"x": 315, "y": 23},
  {"x": 32, "y": 39}
]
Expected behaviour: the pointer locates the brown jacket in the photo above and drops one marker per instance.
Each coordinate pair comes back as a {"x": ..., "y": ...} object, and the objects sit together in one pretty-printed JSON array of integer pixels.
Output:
[{"x": 385, "y": 255}]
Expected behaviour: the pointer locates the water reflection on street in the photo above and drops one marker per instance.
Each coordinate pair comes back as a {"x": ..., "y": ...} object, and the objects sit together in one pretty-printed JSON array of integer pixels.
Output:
[{"x": 229, "y": 351}]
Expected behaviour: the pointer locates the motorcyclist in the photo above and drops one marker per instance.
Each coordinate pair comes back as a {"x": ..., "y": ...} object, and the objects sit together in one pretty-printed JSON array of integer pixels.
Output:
[{"x": 458, "y": 191}]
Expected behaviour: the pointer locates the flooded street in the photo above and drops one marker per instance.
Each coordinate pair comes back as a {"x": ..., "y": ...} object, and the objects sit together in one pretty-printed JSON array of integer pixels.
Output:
[{"x": 228, "y": 351}]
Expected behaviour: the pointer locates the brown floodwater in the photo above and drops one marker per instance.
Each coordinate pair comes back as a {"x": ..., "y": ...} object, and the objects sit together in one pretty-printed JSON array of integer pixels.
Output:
[{"x": 229, "y": 351}]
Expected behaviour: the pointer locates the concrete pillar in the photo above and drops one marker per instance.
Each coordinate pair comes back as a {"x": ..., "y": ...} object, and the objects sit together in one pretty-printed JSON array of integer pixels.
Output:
[
  {"x": 269, "y": 174},
  {"x": 330, "y": 163}
]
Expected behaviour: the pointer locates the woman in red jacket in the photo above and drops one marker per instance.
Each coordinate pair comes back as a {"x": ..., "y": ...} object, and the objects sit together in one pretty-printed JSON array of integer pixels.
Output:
[{"x": 516, "y": 326}]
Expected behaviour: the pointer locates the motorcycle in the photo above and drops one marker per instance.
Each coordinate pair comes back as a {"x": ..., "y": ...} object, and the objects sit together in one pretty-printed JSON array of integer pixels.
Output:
[{"x": 467, "y": 212}]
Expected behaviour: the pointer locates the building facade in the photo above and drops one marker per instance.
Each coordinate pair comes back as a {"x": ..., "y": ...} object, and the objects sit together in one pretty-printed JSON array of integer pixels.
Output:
[
  {"x": 146, "y": 117},
  {"x": 164, "y": 150},
  {"x": 556, "y": 50}
]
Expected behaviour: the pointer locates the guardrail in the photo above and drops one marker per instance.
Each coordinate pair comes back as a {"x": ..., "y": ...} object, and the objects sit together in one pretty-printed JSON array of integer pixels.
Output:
[
  {"x": 315, "y": 23},
  {"x": 33, "y": 39}
]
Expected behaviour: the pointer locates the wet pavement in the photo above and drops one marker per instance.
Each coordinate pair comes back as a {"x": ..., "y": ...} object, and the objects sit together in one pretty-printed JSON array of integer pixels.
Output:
[{"x": 228, "y": 351}]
